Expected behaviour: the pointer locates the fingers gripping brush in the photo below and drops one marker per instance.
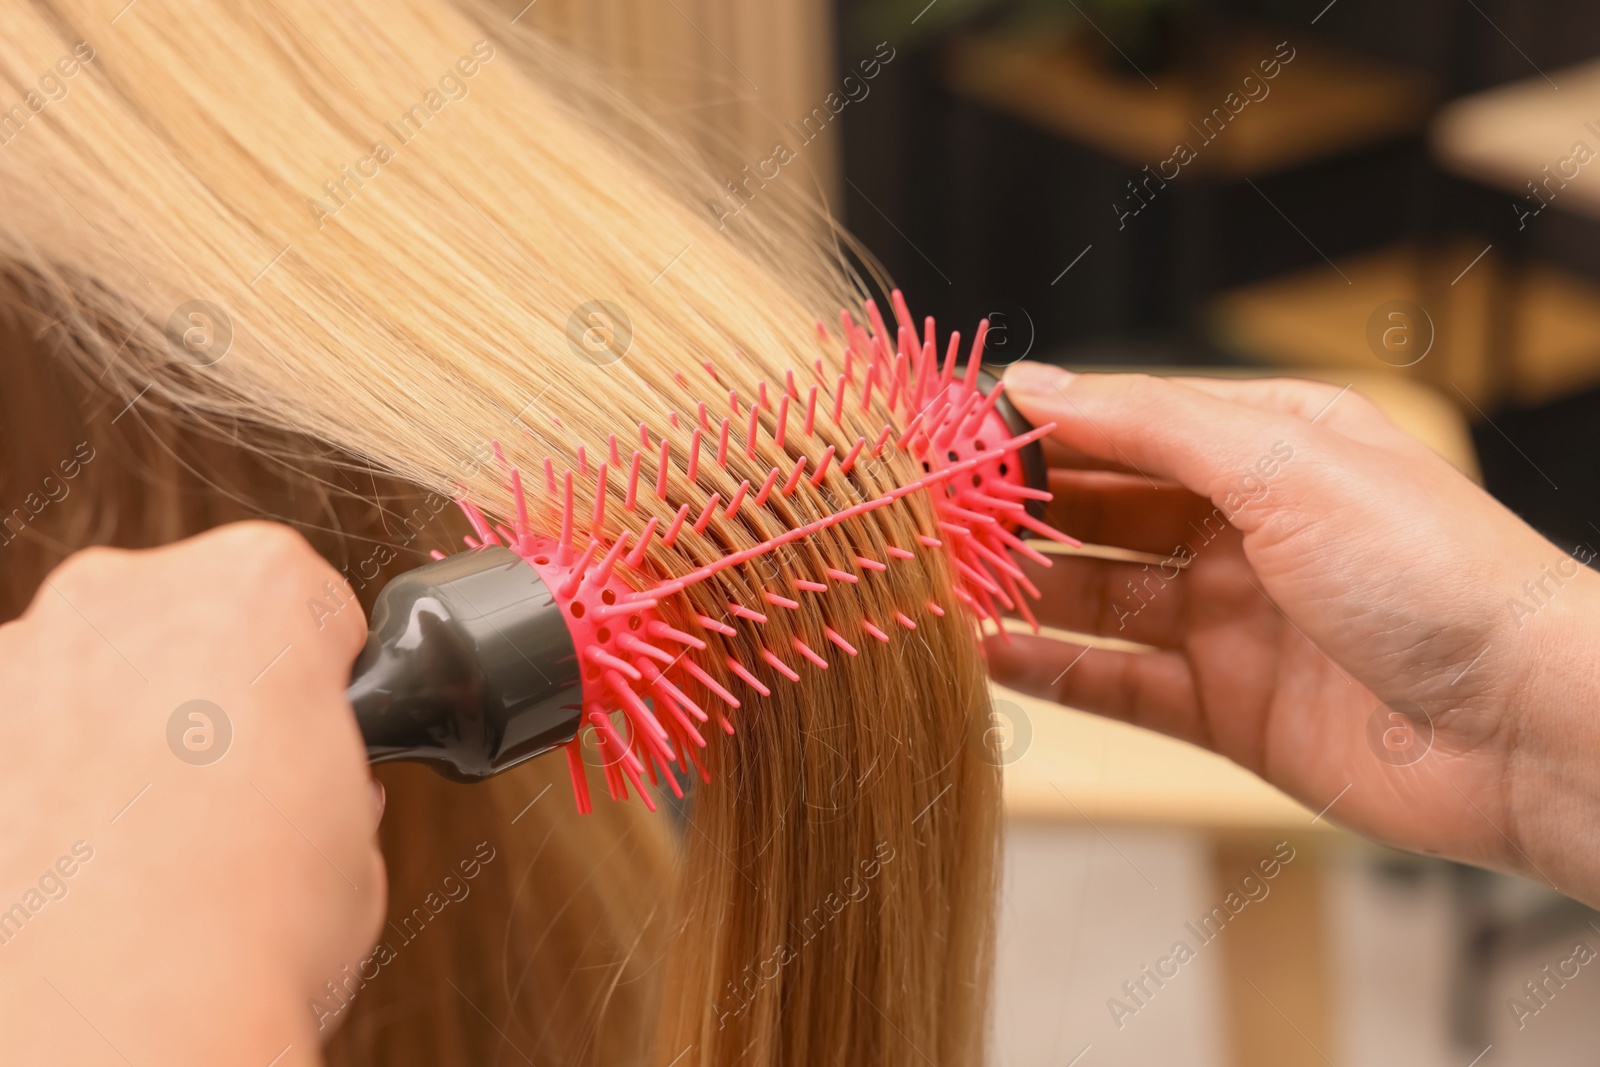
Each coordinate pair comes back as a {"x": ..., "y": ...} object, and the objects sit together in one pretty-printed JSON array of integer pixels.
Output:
[{"x": 484, "y": 659}]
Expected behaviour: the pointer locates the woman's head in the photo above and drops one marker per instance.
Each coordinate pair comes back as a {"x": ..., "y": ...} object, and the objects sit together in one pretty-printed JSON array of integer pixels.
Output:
[{"x": 331, "y": 265}]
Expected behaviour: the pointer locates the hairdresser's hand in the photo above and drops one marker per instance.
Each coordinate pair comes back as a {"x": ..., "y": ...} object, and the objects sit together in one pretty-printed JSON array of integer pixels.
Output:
[
  {"x": 175, "y": 884},
  {"x": 1346, "y": 622}
]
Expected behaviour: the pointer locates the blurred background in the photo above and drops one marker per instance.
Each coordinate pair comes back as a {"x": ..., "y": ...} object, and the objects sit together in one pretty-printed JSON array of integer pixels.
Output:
[{"x": 1401, "y": 198}]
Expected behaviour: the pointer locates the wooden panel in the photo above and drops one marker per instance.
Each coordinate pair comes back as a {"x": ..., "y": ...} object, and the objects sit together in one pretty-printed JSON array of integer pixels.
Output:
[
  {"x": 1531, "y": 336},
  {"x": 1319, "y": 103},
  {"x": 1276, "y": 962},
  {"x": 1530, "y": 132}
]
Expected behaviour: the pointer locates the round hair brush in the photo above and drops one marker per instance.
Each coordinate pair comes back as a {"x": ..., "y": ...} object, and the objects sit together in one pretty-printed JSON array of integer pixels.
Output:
[{"x": 484, "y": 659}]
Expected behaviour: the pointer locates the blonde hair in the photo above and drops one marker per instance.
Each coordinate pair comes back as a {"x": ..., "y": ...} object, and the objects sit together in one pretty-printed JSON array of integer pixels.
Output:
[{"x": 385, "y": 248}]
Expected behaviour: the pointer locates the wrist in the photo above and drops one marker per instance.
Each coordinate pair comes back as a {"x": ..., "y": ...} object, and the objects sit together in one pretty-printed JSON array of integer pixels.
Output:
[
  {"x": 147, "y": 1014},
  {"x": 1553, "y": 766}
]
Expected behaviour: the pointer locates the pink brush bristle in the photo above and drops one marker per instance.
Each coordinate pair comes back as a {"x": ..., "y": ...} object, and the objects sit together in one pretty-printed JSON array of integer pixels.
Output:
[{"x": 646, "y": 694}]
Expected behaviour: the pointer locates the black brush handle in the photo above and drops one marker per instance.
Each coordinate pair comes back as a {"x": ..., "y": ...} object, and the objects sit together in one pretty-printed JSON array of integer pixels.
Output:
[{"x": 469, "y": 667}]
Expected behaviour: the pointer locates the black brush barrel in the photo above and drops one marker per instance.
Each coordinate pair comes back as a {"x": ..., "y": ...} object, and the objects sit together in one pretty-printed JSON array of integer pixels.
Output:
[{"x": 469, "y": 667}]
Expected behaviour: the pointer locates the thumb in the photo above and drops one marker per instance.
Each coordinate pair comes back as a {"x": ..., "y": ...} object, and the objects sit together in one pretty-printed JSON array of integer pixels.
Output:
[{"x": 1160, "y": 428}]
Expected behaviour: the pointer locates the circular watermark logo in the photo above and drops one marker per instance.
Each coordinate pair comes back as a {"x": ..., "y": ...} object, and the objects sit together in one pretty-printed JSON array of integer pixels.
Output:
[
  {"x": 1400, "y": 733},
  {"x": 1011, "y": 333},
  {"x": 1400, "y": 332},
  {"x": 199, "y": 332},
  {"x": 589, "y": 743},
  {"x": 599, "y": 332},
  {"x": 1000, "y": 732},
  {"x": 199, "y": 732}
]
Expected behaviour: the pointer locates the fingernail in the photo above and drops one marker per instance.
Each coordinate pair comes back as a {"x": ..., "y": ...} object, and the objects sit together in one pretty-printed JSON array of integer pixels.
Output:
[
  {"x": 378, "y": 800},
  {"x": 1036, "y": 379}
]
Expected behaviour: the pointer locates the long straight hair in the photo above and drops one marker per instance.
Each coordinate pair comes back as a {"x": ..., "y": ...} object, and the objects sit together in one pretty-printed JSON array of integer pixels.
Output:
[{"x": 330, "y": 264}]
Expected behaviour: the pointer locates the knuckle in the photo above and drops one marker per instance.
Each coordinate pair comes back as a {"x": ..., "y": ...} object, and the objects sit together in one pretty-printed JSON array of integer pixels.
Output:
[
  {"x": 280, "y": 571},
  {"x": 1303, "y": 386},
  {"x": 269, "y": 542},
  {"x": 82, "y": 574},
  {"x": 1359, "y": 402},
  {"x": 1322, "y": 393},
  {"x": 270, "y": 557}
]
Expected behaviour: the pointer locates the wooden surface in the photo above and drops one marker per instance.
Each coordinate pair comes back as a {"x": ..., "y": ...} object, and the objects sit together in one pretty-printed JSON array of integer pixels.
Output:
[
  {"x": 1320, "y": 103},
  {"x": 1507, "y": 136},
  {"x": 1079, "y": 767},
  {"x": 1549, "y": 344},
  {"x": 1083, "y": 768},
  {"x": 1276, "y": 960}
]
